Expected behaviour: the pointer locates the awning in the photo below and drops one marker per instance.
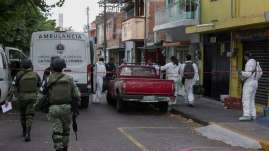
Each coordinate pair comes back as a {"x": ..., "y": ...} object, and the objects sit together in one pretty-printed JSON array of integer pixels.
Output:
[
  {"x": 114, "y": 48},
  {"x": 227, "y": 24},
  {"x": 176, "y": 44},
  {"x": 150, "y": 47},
  {"x": 157, "y": 45}
]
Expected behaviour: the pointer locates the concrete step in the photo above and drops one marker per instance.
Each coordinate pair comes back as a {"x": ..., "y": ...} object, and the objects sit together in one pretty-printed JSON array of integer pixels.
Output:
[{"x": 219, "y": 133}]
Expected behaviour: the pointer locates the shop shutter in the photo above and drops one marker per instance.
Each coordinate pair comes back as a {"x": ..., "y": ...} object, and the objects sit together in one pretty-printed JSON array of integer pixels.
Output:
[{"x": 260, "y": 51}]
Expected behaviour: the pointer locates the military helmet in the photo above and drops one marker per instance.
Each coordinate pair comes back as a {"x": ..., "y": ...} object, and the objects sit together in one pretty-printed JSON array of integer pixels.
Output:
[
  {"x": 26, "y": 64},
  {"x": 53, "y": 58},
  {"x": 58, "y": 64}
]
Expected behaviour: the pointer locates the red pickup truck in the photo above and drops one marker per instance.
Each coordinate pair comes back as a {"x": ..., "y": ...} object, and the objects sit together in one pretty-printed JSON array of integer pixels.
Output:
[{"x": 139, "y": 83}]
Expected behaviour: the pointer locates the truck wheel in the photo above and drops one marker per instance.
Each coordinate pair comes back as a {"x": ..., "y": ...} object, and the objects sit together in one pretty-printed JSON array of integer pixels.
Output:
[
  {"x": 163, "y": 107},
  {"x": 109, "y": 99},
  {"x": 119, "y": 104},
  {"x": 84, "y": 102}
]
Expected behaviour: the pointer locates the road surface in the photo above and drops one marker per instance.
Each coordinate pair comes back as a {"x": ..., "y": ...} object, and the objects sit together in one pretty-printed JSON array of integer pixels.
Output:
[{"x": 101, "y": 128}]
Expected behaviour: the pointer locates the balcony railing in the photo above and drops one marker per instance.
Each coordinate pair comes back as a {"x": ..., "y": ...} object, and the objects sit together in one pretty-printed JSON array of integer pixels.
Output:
[{"x": 181, "y": 10}]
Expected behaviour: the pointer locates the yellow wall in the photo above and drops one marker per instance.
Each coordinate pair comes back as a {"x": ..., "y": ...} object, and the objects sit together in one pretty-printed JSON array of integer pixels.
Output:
[
  {"x": 201, "y": 65},
  {"x": 223, "y": 10},
  {"x": 252, "y": 7},
  {"x": 236, "y": 63},
  {"x": 215, "y": 10}
]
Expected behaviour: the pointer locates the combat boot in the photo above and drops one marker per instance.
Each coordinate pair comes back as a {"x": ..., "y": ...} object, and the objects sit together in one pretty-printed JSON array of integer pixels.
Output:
[
  {"x": 23, "y": 130},
  {"x": 28, "y": 134},
  {"x": 65, "y": 148}
]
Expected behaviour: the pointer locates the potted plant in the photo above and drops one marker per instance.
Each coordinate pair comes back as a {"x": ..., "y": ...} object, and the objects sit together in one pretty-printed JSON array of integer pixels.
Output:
[{"x": 189, "y": 6}]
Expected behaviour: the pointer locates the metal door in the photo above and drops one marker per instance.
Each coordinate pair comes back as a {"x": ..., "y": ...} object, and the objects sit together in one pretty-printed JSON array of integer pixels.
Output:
[
  {"x": 260, "y": 51},
  {"x": 216, "y": 69}
]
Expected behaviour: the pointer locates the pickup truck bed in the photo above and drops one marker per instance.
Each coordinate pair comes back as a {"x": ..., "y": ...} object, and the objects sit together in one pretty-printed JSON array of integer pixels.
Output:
[{"x": 148, "y": 87}]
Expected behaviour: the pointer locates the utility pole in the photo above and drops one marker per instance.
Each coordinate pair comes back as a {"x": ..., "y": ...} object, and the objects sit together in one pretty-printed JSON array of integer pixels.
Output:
[
  {"x": 105, "y": 42},
  {"x": 61, "y": 21},
  {"x": 88, "y": 20},
  {"x": 89, "y": 36},
  {"x": 145, "y": 28},
  {"x": 145, "y": 23}
]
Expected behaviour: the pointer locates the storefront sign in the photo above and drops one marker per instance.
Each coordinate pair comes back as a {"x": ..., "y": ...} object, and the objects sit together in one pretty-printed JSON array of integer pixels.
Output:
[
  {"x": 176, "y": 44},
  {"x": 252, "y": 35}
]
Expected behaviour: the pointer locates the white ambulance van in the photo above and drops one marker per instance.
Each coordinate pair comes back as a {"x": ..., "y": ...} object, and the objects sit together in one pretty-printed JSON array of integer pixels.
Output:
[
  {"x": 5, "y": 79},
  {"x": 74, "y": 47}
]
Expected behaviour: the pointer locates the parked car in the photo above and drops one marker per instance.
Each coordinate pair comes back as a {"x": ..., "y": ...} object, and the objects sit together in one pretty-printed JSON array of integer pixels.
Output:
[
  {"x": 5, "y": 81},
  {"x": 139, "y": 83}
]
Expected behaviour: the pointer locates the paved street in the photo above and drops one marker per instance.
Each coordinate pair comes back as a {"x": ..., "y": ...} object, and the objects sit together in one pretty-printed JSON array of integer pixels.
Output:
[{"x": 101, "y": 128}]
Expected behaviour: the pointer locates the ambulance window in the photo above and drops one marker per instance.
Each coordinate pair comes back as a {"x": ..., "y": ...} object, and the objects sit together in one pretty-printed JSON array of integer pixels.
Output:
[
  {"x": 15, "y": 55},
  {"x": 3, "y": 63}
]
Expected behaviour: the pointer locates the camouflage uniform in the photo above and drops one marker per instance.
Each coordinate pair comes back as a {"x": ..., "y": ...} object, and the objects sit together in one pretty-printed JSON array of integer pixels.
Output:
[
  {"x": 26, "y": 98},
  {"x": 60, "y": 110}
]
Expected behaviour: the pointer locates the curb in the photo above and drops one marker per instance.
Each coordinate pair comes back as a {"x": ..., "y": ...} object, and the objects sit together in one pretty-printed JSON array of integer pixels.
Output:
[
  {"x": 197, "y": 120},
  {"x": 264, "y": 143}
]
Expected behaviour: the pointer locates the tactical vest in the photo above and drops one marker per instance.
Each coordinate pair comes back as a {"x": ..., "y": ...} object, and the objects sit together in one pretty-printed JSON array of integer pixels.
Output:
[
  {"x": 28, "y": 83},
  {"x": 60, "y": 92}
]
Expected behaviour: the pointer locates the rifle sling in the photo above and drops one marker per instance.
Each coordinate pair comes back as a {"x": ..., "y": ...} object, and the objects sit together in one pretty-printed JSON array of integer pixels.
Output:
[{"x": 54, "y": 82}]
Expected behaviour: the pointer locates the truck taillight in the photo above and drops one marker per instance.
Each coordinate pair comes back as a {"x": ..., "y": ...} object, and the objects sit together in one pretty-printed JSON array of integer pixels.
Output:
[
  {"x": 89, "y": 75},
  {"x": 173, "y": 88},
  {"x": 123, "y": 87}
]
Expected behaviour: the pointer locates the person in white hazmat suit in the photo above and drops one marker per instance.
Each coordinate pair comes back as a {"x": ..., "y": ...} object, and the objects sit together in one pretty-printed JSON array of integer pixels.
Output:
[
  {"x": 190, "y": 75},
  {"x": 250, "y": 76},
  {"x": 172, "y": 72},
  {"x": 100, "y": 74}
]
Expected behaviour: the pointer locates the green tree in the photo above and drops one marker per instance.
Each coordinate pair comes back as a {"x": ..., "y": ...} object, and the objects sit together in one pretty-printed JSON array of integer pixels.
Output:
[{"x": 20, "y": 18}]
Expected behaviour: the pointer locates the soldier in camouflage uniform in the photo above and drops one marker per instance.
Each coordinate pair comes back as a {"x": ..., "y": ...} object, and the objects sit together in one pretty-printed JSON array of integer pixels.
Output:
[
  {"x": 26, "y": 84},
  {"x": 61, "y": 91}
]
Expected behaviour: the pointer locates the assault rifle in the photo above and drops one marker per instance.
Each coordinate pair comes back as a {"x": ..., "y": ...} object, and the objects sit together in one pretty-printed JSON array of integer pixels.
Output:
[
  {"x": 74, "y": 108},
  {"x": 75, "y": 125}
]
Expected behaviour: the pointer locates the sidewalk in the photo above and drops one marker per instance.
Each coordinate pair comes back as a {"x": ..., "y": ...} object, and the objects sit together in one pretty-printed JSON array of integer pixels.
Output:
[{"x": 211, "y": 112}]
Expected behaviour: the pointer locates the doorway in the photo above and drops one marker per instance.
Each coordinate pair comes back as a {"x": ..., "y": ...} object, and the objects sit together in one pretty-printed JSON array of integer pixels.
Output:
[{"x": 216, "y": 69}]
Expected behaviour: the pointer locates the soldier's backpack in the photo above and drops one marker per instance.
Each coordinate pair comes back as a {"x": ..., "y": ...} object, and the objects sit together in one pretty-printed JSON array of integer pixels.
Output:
[
  {"x": 188, "y": 72},
  {"x": 60, "y": 91},
  {"x": 28, "y": 82}
]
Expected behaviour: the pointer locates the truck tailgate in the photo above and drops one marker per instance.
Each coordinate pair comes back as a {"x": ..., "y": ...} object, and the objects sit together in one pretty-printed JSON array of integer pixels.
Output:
[{"x": 148, "y": 87}]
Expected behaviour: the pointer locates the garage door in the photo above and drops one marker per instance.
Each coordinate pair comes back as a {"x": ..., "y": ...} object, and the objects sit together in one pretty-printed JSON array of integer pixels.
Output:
[{"x": 260, "y": 51}]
